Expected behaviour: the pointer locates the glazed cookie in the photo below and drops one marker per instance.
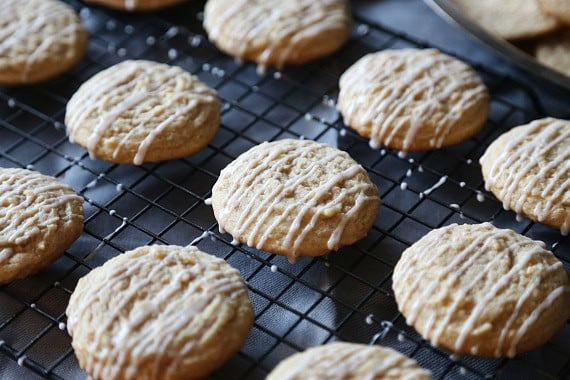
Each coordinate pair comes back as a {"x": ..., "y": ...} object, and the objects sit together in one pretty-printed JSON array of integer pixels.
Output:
[
  {"x": 554, "y": 51},
  {"x": 39, "y": 39},
  {"x": 39, "y": 219},
  {"x": 528, "y": 169},
  {"x": 559, "y": 9},
  {"x": 142, "y": 111},
  {"x": 295, "y": 198},
  {"x": 276, "y": 32},
  {"x": 413, "y": 99},
  {"x": 480, "y": 290},
  {"x": 161, "y": 312},
  {"x": 349, "y": 361},
  {"x": 509, "y": 19},
  {"x": 135, "y": 5}
]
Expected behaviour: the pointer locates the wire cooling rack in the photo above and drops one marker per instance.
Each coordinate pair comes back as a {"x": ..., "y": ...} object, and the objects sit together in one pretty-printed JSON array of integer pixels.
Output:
[{"x": 345, "y": 296}]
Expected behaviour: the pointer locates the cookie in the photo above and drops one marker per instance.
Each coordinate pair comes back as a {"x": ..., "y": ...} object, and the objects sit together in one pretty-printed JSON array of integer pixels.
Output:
[
  {"x": 295, "y": 198},
  {"x": 554, "y": 52},
  {"x": 135, "y": 5},
  {"x": 509, "y": 19},
  {"x": 559, "y": 9},
  {"x": 39, "y": 219},
  {"x": 528, "y": 170},
  {"x": 158, "y": 312},
  {"x": 412, "y": 99},
  {"x": 480, "y": 290},
  {"x": 39, "y": 39},
  {"x": 349, "y": 361},
  {"x": 142, "y": 111},
  {"x": 275, "y": 32}
]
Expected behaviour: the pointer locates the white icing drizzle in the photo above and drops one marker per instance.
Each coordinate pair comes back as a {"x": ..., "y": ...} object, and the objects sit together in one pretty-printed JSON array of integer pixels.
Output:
[
  {"x": 343, "y": 361},
  {"x": 137, "y": 330},
  {"x": 204, "y": 235},
  {"x": 285, "y": 23},
  {"x": 256, "y": 175},
  {"x": 396, "y": 84},
  {"x": 437, "y": 185},
  {"x": 26, "y": 202},
  {"x": 137, "y": 83},
  {"x": 463, "y": 262},
  {"x": 548, "y": 184},
  {"x": 58, "y": 20}
]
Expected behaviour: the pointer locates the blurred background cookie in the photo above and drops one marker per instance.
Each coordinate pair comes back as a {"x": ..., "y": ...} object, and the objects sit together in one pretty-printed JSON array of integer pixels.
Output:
[
  {"x": 554, "y": 51},
  {"x": 480, "y": 290},
  {"x": 509, "y": 19},
  {"x": 39, "y": 219},
  {"x": 559, "y": 9},
  {"x": 276, "y": 32},
  {"x": 295, "y": 198},
  {"x": 142, "y": 111},
  {"x": 39, "y": 39},
  {"x": 159, "y": 312},
  {"x": 413, "y": 99}
]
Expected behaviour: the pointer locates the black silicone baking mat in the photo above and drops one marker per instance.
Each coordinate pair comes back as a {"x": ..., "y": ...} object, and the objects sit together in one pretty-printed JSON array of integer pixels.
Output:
[{"x": 345, "y": 296}]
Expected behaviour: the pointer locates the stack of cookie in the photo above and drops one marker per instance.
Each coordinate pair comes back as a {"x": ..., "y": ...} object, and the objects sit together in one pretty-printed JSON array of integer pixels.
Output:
[
  {"x": 169, "y": 312},
  {"x": 541, "y": 27}
]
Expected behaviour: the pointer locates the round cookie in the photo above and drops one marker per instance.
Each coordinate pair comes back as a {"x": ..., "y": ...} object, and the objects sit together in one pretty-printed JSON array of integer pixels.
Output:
[
  {"x": 559, "y": 9},
  {"x": 528, "y": 169},
  {"x": 295, "y": 198},
  {"x": 135, "y": 5},
  {"x": 554, "y": 51},
  {"x": 142, "y": 111},
  {"x": 509, "y": 19},
  {"x": 39, "y": 219},
  {"x": 412, "y": 99},
  {"x": 276, "y": 32},
  {"x": 159, "y": 312},
  {"x": 480, "y": 290},
  {"x": 39, "y": 39},
  {"x": 349, "y": 361}
]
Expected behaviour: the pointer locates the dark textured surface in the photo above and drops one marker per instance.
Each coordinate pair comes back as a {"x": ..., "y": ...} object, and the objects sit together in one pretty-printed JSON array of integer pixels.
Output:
[{"x": 316, "y": 300}]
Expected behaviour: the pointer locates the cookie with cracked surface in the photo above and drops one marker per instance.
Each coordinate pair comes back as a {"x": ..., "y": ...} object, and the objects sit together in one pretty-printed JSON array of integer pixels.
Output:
[
  {"x": 509, "y": 19},
  {"x": 135, "y": 5},
  {"x": 39, "y": 219},
  {"x": 480, "y": 290},
  {"x": 295, "y": 198},
  {"x": 413, "y": 99},
  {"x": 39, "y": 39},
  {"x": 275, "y": 32},
  {"x": 559, "y": 9},
  {"x": 554, "y": 52},
  {"x": 527, "y": 168},
  {"x": 161, "y": 312},
  {"x": 143, "y": 111},
  {"x": 349, "y": 361}
]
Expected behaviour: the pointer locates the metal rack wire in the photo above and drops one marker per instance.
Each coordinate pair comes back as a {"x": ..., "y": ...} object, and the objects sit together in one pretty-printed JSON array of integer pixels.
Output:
[{"x": 346, "y": 295}]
